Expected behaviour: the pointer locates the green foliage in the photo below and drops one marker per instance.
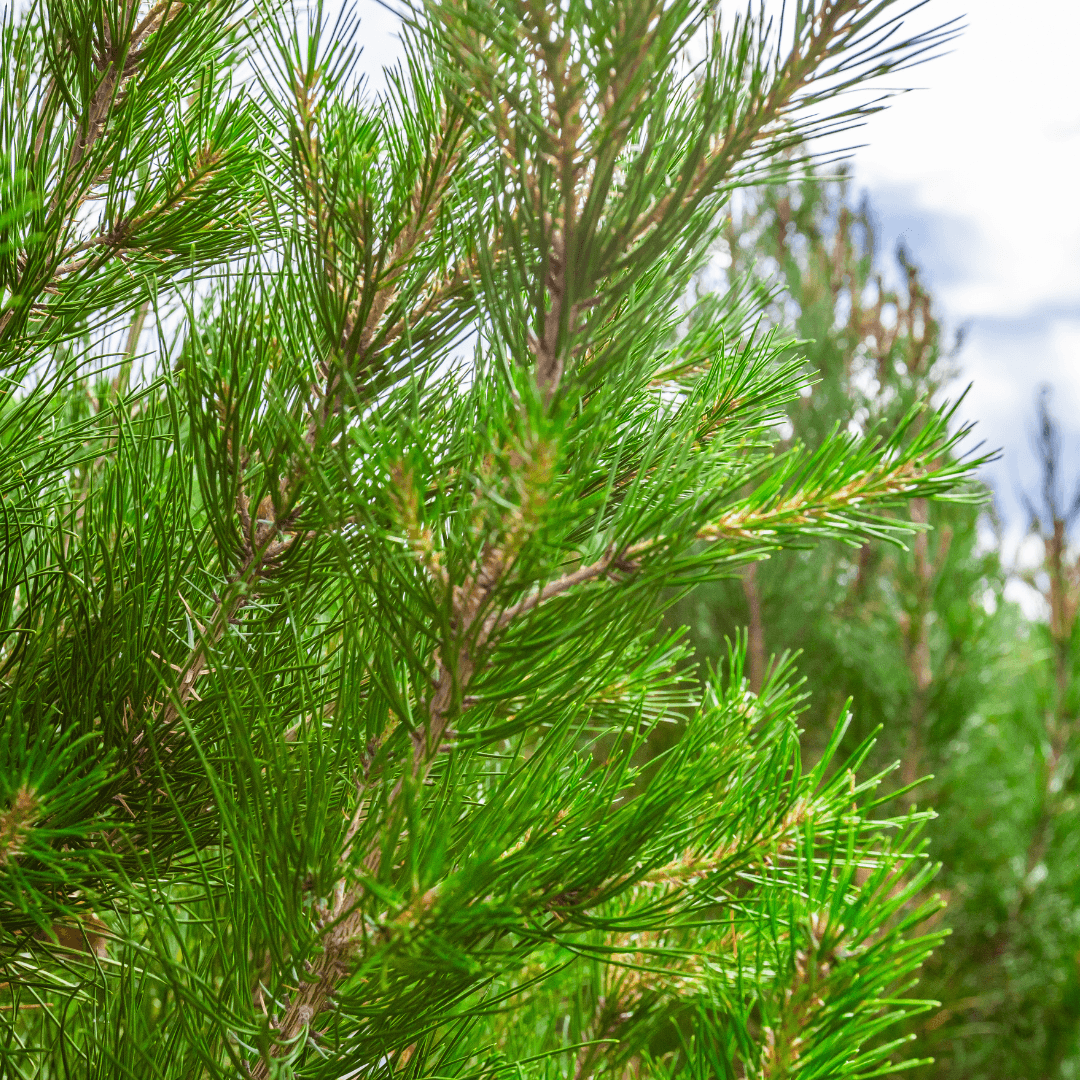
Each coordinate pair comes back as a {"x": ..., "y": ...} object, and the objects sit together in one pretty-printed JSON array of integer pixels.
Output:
[
  {"x": 904, "y": 633},
  {"x": 1009, "y": 823},
  {"x": 922, "y": 642},
  {"x": 333, "y": 655}
]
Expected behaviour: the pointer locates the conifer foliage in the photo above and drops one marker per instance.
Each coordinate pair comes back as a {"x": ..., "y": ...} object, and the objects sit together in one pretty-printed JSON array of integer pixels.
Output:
[
  {"x": 905, "y": 634},
  {"x": 330, "y": 636},
  {"x": 926, "y": 643}
]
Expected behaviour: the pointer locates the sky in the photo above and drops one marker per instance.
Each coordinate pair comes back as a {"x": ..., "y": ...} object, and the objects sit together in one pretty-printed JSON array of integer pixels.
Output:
[{"x": 975, "y": 169}]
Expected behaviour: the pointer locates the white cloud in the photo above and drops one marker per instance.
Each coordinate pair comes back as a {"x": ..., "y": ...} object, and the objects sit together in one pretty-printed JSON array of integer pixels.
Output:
[
  {"x": 994, "y": 137},
  {"x": 981, "y": 165}
]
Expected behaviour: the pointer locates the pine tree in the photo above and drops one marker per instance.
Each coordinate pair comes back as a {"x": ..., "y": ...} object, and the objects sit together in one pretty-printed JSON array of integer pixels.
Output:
[
  {"x": 331, "y": 641},
  {"x": 904, "y": 632},
  {"x": 1009, "y": 822},
  {"x": 926, "y": 645}
]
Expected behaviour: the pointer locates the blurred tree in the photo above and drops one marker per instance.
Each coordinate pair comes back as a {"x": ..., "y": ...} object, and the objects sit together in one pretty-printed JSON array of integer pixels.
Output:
[
  {"x": 1009, "y": 832},
  {"x": 924, "y": 643},
  {"x": 908, "y": 635}
]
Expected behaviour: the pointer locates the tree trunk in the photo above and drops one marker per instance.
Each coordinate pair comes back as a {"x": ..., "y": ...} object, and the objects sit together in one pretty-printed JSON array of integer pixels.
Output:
[{"x": 756, "y": 631}]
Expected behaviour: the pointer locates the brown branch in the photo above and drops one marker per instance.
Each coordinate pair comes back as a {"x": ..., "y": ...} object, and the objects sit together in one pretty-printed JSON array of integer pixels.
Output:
[
  {"x": 193, "y": 669},
  {"x": 360, "y": 339},
  {"x": 1062, "y": 597},
  {"x": 917, "y": 647},
  {"x": 554, "y": 588},
  {"x": 560, "y": 314},
  {"x": 345, "y": 922},
  {"x": 267, "y": 540},
  {"x": 549, "y": 358},
  {"x": 756, "y": 122},
  {"x": 46, "y": 103},
  {"x": 123, "y": 376},
  {"x": 469, "y": 602},
  {"x": 562, "y": 95},
  {"x": 159, "y": 14},
  {"x": 755, "y": 630},
  {"x": 120, "y": 65}
]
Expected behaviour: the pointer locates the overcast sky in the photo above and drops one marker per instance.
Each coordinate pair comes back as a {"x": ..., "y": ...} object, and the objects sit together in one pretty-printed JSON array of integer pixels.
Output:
[{"x": 975, "y": 169}]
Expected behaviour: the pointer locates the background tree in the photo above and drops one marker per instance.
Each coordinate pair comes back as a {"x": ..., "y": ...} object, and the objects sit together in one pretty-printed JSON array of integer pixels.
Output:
[
  {"x": 903, "y": 632},
  {"x": 923, "y": 641},
  {"x": 1009, "y": 823},
  {"x": 328, "y": 654}
]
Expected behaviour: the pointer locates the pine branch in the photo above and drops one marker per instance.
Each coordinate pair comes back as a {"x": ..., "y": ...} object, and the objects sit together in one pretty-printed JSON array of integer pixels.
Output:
[
  {"x": 452, "y": 680},
  {"x": 16, "y": 822},
  {"x": 119, "y": 63},
  {"x": 431, "y": 762},
  {"x": 266, "y": 541}
]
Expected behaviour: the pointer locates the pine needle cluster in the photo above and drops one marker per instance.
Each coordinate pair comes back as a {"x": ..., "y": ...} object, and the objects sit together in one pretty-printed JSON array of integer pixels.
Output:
[{"x": 351, "y": 446}]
